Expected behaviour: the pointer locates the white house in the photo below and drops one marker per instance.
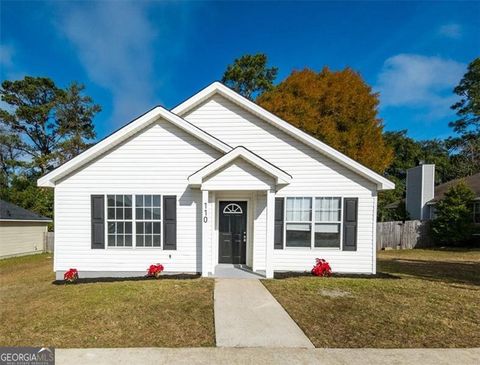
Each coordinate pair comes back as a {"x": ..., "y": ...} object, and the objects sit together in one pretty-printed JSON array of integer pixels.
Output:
[{"x": 217, "y": 179}]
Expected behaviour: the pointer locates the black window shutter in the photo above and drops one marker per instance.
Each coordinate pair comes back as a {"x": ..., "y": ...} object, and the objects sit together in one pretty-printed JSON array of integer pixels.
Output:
[
  {"x": 278, "y": 236},
  {"x": 170, "y": 222},
  {"x": 350, "y": 218},
  {"x": 98, "y": 221}
]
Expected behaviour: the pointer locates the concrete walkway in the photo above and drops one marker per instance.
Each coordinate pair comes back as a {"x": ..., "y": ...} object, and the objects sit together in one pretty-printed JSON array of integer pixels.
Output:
[
  {"x": 235, "y": 272},
  {"x": 247, "y": 315},
  {"x": 232, "y": 356}
]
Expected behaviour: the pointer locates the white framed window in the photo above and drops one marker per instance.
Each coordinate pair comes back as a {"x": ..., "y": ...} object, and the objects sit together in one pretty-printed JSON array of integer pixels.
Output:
[
  {"x": 148, "y": 220},
  {"x": 328, "y": 222},
  {"x": 313, "y": 222},
  {"x": 119, "y": 221},
  {"x": 298, "y": 225}
]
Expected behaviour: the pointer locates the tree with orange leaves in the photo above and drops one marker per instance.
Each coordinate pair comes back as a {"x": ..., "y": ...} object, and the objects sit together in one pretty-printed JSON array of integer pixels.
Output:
[{"x": 338, "y": 108}]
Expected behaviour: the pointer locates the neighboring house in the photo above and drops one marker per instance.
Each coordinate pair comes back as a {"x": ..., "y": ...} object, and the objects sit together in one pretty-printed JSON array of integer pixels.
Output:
[
  {"x": 422, "y": 195},
  {"x": 215, "y": 180},
  {"x": 21, "y": 231}
]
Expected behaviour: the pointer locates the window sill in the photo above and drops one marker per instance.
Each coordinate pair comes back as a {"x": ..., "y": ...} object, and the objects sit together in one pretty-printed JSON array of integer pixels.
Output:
[{"x": 313, "y": 248}]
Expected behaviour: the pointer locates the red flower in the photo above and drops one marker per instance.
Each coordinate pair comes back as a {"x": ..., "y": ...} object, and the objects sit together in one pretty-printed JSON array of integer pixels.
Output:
[
  {"x": 155, "y": 270},
  {"x": 71, "y": 275},
  {"x": 322, "y": 268}
]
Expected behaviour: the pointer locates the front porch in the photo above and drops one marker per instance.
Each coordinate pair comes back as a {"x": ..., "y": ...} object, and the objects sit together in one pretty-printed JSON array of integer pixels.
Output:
[
  {"x": 238, "y": 212},
  {"x": 237, "y": 243}
]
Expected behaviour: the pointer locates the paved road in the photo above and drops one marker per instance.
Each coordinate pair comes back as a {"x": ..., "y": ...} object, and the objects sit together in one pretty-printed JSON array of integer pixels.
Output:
[
  {"x": 264, "y": 356},
  {"x": 247, "y": 315}
]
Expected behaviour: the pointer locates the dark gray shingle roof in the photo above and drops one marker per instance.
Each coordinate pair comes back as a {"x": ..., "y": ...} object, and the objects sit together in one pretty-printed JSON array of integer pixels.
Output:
[
  {"x": 14, "y": 212},
  {"x": 473, "y": 182}
]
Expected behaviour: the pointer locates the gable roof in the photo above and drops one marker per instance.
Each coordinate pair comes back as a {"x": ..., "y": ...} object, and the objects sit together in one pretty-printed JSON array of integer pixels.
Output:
[
  {"x": 12, "y": 212},
  {"x": 473, "y": 182},
  {"x": 280, "y": 176},
  {"x": 125, "y": 132},
  {"x": 219, "y": 88}
]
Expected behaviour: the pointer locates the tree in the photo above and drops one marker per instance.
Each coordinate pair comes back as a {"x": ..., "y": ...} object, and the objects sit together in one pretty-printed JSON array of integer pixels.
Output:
[
  {"x": 9, "y": 156},
  {"x": 453, "y": 224},
  {"x": 338, "y": 108},
  {"x": 51, "y": 123},
  {"x": 468, "y": 125},
  {"x": 249, "y": 75}
]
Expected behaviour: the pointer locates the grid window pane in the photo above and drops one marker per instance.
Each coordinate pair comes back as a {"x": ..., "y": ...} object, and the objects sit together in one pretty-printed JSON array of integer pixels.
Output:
[
  {"x": 148, "y": 220},
  {"x": 148, "y": 240},
  {"x": 119, "y": 216},
  {"x": 299, "y": 209},
  {"x": 328, "y": 209}
]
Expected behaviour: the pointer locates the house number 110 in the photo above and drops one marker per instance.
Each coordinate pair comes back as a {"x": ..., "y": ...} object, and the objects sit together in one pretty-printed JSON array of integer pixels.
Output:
[{"x": 205, "y": 218}]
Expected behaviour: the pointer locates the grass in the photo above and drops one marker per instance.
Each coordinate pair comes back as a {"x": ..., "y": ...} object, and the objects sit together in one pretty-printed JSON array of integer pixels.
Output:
[
  {"x": 163, "y": 313},
  {"x": 422, "y": 298}
]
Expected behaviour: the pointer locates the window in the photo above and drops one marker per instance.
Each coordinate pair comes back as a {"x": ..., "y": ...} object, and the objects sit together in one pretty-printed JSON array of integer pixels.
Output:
[
  {"x": 299, "y": 222},
  {"x": 328, "y": 217},
  {"x": 313, "y": 222},
  {"x": 476, "y": 212},
  {"x": 119, "y": 220},
  {"x": 148, "y": 215}
]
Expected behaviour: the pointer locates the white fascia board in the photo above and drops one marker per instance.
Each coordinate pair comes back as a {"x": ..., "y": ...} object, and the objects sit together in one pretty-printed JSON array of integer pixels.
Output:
[
  {"x": 122, "y": 134},
  {"x": 217, "y": 87},
  {"x": 281, "y": 177}
]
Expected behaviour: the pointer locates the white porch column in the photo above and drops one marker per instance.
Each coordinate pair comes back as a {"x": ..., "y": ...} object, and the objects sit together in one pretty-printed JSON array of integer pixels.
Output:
[
  {"x": 205, "y": 225},
  {"x": 270, "y": 234}
]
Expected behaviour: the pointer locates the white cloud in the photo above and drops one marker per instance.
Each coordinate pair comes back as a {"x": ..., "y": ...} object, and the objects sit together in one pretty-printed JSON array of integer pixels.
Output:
[
  {"x": 9, "y": 68},
  {"x": 114, "y": 41},
  {"x": 451, "y": 30},
  {"x": 6, "y": 54},
  {"x": 419, "y": 82}
]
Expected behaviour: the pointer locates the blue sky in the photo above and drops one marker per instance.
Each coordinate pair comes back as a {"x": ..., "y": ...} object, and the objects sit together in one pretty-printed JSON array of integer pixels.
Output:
[{"x": 134, "y": 55}]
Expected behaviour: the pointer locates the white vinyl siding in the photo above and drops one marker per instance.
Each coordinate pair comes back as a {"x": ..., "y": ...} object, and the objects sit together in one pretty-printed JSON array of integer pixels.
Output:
[
  {"x": 158, "y": 160},
  {"x": 313, "y": 174},
  {"x": 21, "y": 238}
]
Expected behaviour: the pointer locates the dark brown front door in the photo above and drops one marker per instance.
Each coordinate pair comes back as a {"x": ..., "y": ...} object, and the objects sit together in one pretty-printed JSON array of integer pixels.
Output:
[{"x": 232, "y": 232}]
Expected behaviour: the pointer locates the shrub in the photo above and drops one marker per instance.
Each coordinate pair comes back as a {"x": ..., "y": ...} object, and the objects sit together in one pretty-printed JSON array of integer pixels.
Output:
[
  {"x": 155, "y": 270},
  {"x": 71, "y": 276},
  {"x": 321, "y": 268},
  {"x": 453, "y": 224}
]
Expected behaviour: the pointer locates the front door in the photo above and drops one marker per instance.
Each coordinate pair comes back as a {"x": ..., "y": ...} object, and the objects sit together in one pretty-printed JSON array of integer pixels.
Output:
[{"x": 233, "y": 232}]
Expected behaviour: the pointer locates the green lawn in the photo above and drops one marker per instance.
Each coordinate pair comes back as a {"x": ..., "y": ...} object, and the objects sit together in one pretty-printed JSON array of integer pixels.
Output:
[
  {"x": 429, "y": 298},
  {"x": 163, "y": 313}
]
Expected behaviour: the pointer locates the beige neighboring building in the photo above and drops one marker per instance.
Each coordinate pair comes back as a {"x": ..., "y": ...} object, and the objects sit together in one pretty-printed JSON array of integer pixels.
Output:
[{"x": 21, "y": 231}]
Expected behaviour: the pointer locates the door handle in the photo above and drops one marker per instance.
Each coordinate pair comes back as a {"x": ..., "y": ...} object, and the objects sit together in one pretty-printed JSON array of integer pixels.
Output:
[{"x": 244, "y": 237}]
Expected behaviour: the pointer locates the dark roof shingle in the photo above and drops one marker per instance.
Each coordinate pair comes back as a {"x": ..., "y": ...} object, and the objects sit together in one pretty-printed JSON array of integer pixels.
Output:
[
  {"x": 14, "y": 212},
  {"x": 472, "y": 181}
]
